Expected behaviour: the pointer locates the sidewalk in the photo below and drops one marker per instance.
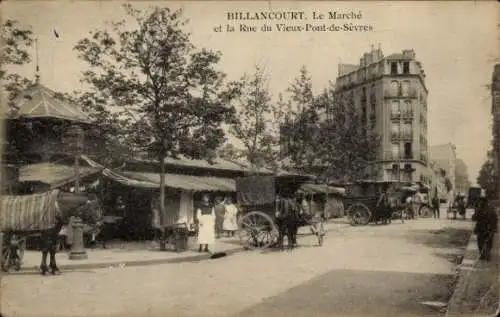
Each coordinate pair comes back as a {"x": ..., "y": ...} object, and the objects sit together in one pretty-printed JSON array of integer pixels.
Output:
[
  {"x": 142, "y": 253},
  {"x": 477, "y": 289}
]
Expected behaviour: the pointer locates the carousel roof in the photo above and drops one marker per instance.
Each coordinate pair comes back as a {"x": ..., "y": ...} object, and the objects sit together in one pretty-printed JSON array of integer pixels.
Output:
[{"x": 39, "y": 101}]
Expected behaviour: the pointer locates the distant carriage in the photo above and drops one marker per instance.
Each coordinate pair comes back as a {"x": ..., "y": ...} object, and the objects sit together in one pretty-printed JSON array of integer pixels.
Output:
[
  {"x": 256, "y": 196},
  {"x": 362, "y": 198},
  {"x": 40, "y": 214}
]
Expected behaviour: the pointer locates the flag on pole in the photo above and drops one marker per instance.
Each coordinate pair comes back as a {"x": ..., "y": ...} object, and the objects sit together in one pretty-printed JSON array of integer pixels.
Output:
[{"x": 56, "y": 34}]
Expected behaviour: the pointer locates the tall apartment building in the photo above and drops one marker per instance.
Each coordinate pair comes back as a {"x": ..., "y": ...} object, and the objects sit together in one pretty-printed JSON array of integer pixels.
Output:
[
  {"x": 445, "y": 156},
  {"x": 390, "y": 93}
]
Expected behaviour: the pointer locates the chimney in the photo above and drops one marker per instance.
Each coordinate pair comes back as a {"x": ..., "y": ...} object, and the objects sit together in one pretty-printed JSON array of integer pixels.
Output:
[
  {"x": 367, "y": 58},
  {"x": 409, "y": 53}
]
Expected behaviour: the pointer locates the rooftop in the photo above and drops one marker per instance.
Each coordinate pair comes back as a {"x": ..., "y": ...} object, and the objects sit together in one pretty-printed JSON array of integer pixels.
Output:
[{"x": 39, "y": 101}]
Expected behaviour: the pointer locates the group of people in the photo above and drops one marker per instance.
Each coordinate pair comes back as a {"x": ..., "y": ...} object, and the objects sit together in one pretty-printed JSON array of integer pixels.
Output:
[
  {"x": 215, "y": 219},
  {"x": 411, "y": 207}
]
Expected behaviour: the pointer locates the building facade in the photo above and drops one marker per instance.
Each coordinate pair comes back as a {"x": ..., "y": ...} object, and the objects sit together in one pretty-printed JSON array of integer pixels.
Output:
[
  {"x": 445, "y": 157},
  {"x": 391, "y": 94}
]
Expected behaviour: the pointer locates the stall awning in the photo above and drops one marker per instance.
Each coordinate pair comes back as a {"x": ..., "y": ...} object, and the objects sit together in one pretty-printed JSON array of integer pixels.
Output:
[
  {"x": 180, "y": 181},
  {"x": 53, "y": 174},
  {"x": 321, "y": 189},
  {"x": 187, "y": 182}
]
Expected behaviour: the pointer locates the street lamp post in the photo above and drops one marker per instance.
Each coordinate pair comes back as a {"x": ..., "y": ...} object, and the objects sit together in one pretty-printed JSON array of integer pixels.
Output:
[{"x": 74, "y": 139}]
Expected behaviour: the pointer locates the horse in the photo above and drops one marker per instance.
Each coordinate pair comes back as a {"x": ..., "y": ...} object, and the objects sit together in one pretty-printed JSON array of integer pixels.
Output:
[
  {"x": 45, "y": 214},
  {"x": 287, "y": 218}
]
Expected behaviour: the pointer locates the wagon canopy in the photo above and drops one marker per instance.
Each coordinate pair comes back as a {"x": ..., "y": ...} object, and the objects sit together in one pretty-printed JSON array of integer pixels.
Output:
[
  {"x": 309, "y": 188},
  {"x": 256, "y": 190},
  {"x": 37, "y": 211},
  {"x": 262, "y": 190}
]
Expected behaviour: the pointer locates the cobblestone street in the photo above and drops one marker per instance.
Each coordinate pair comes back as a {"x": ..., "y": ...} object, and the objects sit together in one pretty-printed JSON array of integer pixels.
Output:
[{"x": 402, "y": 264}]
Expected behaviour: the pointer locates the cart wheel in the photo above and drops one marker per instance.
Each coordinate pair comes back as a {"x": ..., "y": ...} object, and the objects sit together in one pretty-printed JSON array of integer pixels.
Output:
[
  {"x": 360, "y": 214},
  {"x": 321, "y": 238},
  {"x": 425, "y": 212},
  {"x": 6, "y": 259},
  {"x": 20, "y": 255},
  {"x": 257, "y": 230}
]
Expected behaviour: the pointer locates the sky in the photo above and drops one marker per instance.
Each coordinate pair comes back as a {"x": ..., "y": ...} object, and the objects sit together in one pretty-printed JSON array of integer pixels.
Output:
[{"x": 456, "y": 42}]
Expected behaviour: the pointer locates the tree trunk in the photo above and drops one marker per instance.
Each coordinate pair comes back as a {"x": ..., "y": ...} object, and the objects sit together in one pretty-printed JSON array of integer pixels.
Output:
[{"x": 162, "y": 201}]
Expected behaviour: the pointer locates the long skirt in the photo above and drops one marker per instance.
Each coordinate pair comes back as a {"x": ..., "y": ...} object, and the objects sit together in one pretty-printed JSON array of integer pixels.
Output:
[{"x": 206, "y": 232}]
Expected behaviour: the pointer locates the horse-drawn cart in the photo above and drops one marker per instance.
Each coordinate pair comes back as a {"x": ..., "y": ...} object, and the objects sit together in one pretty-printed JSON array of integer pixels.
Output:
[
  {"x": 362, "y": 202},
  {"x": 257, "y": 197},
  {"x": 39, "y": 214}
]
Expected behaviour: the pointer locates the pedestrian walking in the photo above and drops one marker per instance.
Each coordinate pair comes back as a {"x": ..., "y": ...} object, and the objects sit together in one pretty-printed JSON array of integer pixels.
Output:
[
  {"x": 435, "y": 207},
  {"x": 220, "y": 209},
  {"x": 409, "y": 207},
  {"x": 485, "y": 228},
  {"x": 418, "y": 199},
  {"x": 230, "y": 224},
  {"x": 205, "y": 216}
]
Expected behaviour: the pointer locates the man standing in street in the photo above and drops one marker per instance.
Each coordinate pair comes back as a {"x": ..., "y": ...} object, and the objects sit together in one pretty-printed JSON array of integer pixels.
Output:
[
  {"x": 485, "y": 228},
  {"x": 435, "y": 207}
]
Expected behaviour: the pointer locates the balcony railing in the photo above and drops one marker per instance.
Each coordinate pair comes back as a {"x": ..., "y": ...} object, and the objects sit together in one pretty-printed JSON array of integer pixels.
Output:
[
  {"x": 392, "y": 93},
  {"x": 401, "y": 136},
  {"x": 407, "y": 114},
  {"x": 424, "y": 158},
  {"x": 395, "y": 115},
  {"x": 390, "y": 156}
]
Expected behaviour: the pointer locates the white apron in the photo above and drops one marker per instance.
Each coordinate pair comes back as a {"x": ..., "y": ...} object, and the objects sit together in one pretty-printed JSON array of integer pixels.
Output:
[
  {"x": 206, "y": 227},
  {"x": 230, "y": 223}
]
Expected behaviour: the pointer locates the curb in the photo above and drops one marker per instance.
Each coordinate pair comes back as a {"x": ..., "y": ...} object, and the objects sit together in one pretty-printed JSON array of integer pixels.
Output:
[
  {"x": 132, "y": 263},
  {"x": 115, "y": 264},
  {"x": 466, "y": 267}
]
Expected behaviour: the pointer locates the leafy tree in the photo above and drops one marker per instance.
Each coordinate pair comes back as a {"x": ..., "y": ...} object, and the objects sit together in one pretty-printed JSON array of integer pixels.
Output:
[
  {"x": 230, "y": 152},
  {"x": 487, "y": 178},
  {"x": 302, "y": 124},
  {"x": 350, "y": 142},
  {"x": 167, "y": 95},
  {"x": 257, "y": 120},
  {"x": 17, "y": 40},
  {"x": 331, "y": 138}
]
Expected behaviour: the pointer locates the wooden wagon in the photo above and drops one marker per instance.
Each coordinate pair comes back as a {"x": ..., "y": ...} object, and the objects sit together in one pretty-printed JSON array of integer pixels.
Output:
[
  {"x": 256, "y": 197},
  {"x": 362, "y": 197}
]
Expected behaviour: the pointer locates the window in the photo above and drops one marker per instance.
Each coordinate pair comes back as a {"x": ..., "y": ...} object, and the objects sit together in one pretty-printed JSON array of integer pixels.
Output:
[
  {"x": 395, "y": 172},
  {"x": 394, "y": 68},
  {"x": 408, "y": 152},
  {"x": 395, "y": 107},
  {"x": 407, "y": 107},
  {"x": 406, "y": 67},
  {"x": 405, "y": 87},
  {"x": 395, "y": 151},
  {"x": 394, "y": 87},
  {"x": 407, "y": 127}
]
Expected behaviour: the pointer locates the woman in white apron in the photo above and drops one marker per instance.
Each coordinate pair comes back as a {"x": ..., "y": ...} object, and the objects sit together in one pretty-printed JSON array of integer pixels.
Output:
[
  {"x": 230, "y": 217},
  {"x": 205, "y": 216}
]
